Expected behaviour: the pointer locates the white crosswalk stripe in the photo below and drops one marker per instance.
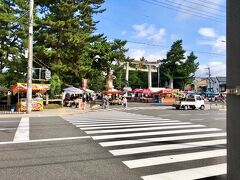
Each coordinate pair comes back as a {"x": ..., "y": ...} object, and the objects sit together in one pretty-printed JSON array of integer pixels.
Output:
[
  {"x": 174, "y": 158},
  {"x": 161, "y": 139},
  {"x": 179, "y": 126},
  {"x": 194, "y": 173},
  {"x": 127, "y": 151},
  {"x": 157, "y": 141}
]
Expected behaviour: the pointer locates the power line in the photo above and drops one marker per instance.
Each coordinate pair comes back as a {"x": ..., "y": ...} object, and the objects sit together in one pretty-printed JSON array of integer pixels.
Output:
[
  {"x": 182, "y": 7},
  {"x": 203, "y": 5},
  {"x": 15, "y": 20},
  {"x": 205, "y": 16},
  {"x": 188, "y": 50},
  {"x": 212, "y": 3}
]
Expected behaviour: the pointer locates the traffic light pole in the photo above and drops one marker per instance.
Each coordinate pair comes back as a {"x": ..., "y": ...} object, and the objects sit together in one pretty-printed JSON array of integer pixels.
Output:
[
  {"x": 30, "y": 58},
  {"x": 233, "y": 98}
]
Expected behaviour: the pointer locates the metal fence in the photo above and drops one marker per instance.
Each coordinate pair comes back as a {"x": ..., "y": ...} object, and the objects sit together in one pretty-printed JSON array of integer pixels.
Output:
[{"x": 8, "y": 109}]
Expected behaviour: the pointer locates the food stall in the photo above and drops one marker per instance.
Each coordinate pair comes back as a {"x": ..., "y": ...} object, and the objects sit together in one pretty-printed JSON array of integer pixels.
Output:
[
  {"x": 167, "y": 96},
  {"x": 115, "y": 96},
  {"x": 147, "y": 96},
  {"x": 37, "y": 102}
]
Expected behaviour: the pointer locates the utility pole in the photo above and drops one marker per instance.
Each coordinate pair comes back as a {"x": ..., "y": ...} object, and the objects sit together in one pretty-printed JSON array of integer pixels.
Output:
[
  {"x": 233, "y": 87},
  {"x": 209, "y": 77},
  {"x": 30, "y": 58}
]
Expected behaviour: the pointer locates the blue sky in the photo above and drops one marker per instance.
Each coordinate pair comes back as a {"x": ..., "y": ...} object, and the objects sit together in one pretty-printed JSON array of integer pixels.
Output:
[{"x": 151, "y": 26}]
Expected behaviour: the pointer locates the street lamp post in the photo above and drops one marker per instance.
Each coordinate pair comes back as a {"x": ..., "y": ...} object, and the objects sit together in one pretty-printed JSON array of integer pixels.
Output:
[{"x": 30, "y": 58}]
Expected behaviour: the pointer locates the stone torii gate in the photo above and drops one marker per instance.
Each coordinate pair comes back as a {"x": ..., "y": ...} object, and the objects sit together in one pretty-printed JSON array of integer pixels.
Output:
[{"x": 150, "y": 68}]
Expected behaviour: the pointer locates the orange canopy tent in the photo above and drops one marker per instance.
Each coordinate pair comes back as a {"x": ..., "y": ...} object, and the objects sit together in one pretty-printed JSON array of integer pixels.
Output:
[{"x": 22, "y": 87}]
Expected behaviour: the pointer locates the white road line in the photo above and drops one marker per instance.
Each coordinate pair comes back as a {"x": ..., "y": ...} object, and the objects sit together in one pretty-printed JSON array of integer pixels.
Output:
[
  {"x": 185, "y": 114},
  {"x": 119, "y": 123},
  {"x": 161, "y": 139},
  {"x": 44, "y": 140},
  {"x": 221, "y": 113},
  {"x": 196, "y": 119},
  {"x": 138, "y": 150},
  {"x": 102, "y": 137},
  {"x": 134, "y": 125},
  {"x": 144, "y": 129},
  {"x": 7, "y": 129},
  {"x": 22, "y": 133},
  {"x": 114, "y": 120},
  {"x": 106, "y": 122},
  {"x": 8, "y": 121},
  {"x": 220, "y": 118},
  {"x": 137, "y": 163},
  {"x": 164, "y": 115},
  {"x": 190, "y": 174},
  {"x": 203, "y": 114}
]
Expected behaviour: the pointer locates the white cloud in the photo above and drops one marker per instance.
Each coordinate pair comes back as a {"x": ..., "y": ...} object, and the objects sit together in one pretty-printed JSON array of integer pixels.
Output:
[
  {"x": 149, "y": 32},
  {"x": 217, "y": 68},
  {"x": 219, "y": 45},
  {"x": 137, "y": 51},
  {"x": 207, "y": 32}
]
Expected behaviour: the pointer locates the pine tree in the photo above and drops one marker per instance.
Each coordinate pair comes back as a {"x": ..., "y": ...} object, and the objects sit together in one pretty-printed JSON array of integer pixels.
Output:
[
  {"x": 13, "y": 40},
  {"x": 177, "y": 67},
  {"x": 64, "y": 36}
]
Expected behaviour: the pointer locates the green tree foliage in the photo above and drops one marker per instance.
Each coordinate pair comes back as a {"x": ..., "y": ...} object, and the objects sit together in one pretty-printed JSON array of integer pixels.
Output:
[
  {"x": 177, "y": 67},
  {"x": 64, "y": 36},
  {"x": 111, "y": 56},
  {"x": 55, "y": 86},
  {"x": 13, "y": 35}
]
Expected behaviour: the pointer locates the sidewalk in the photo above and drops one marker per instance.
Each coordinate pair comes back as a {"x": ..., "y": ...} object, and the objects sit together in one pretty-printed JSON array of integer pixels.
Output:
[{"x": 48, "y": 112}]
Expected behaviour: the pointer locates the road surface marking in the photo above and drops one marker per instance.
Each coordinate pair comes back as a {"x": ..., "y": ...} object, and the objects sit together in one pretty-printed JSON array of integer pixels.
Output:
[
  {"x": 22, "y": 133},
  {"x": 101, "y": 137},
  {"x": 196, "y": 119},
  {"x": 9, "y": 121},
  {"x": 144, "y": 129},
  {"x": 111, "y": 119},
  {"x": 220, "y": 118},
  {"x": 190, "y": 174},
  {"x": 137, "y": 163},
  {"x": 134, "y": 125},
  {"x": 7, "y": 129},
  {"x": 185, "y": 114},
  {"x": 146, "y": 149},
  {"x": 44, "y": 140},
  {"x": 164, "y": 115},
  {"x": 161, "y": 139},
  {"x": 203, "y": 114},
  {"x": 118, "y": 120},
  {"x": 118, "y": 123}
]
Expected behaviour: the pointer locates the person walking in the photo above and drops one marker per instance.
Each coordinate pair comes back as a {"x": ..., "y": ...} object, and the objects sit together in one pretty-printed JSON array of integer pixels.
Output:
[{"x": 124, "y": 103}]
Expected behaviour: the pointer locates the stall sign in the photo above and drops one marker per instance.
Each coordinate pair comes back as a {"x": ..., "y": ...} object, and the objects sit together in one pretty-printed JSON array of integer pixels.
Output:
[
  {"x": 84, "y": 84},
  {"x": 36, "y": 106}
]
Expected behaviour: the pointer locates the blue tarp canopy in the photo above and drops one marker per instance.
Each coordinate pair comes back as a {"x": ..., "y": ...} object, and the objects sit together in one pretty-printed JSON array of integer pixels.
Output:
[{"x": 73, "y": 90}]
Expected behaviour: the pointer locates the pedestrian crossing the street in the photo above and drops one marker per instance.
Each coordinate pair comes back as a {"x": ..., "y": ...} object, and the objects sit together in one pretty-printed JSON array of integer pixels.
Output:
[{"x": 157, "y": 148}]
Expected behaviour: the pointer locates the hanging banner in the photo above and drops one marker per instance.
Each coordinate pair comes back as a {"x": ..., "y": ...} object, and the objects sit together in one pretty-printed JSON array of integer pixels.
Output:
[{"x": 84, "y": 84}]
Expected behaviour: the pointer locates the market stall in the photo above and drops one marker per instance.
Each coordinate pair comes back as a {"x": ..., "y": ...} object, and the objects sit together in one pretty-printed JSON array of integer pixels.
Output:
[
  {"x": 114, "y": 96},
  {"x": 37, "y": 101},
  {"x": 167, "y": 96}
]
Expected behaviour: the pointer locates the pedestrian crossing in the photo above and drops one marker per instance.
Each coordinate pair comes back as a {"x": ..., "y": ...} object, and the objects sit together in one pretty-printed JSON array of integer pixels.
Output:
[
  {"x": 157, "y": 148},
  {"x": 133, "y": 108}
]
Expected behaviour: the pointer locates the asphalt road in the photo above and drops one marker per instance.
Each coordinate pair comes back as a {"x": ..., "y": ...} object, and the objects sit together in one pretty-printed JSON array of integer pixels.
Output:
[{"x": 61, "y": 147}]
